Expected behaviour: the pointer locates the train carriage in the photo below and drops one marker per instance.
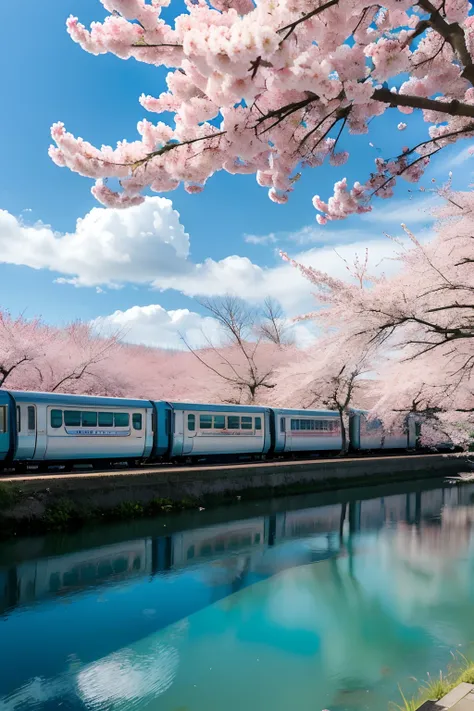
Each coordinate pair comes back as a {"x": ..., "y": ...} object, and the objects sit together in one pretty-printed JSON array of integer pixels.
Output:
[
  {"x": 58, "y": 428},
  {"x": 212, "y": 430},
  {"x": 369, "y": 433},
  {"x": 307, "y": 430}
]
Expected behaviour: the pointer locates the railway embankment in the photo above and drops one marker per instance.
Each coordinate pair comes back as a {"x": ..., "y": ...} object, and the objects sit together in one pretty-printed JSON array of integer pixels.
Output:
[{"x": 36, "y": 503}]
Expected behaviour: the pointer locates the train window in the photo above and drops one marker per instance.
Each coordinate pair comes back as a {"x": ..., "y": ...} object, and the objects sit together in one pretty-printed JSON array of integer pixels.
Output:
[
  {"x": 137, "y": 421},
  {"x": 258, "y": 423},
  {"x": 190, "y": 553},
  {"x": 205, "y": 422},
  {"x": 122, "y": 419},
  {"x": 31, "y": 417},
  {"x": 72, "y": 418},
  {"x": 191, "y": 423},
  {"x": 106, "y": 419},
  {"x": 372, "y": 425},
  {"x": 3, "y": 419},
  {"x": 89, "y": 419},
  {"x": 295, "y": 424},
  {"x": 219, "y": 422},
  {"x": 233, "y": 422},
  {"x": 246, "y": 423},
  {"x": 56, "y": 419},
  {"x": 18, "y": 418}
]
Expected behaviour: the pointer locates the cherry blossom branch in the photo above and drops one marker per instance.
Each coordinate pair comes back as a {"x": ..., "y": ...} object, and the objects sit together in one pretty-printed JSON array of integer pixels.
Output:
[
  {"x": 293, "y": 25},
  {"x": 452, "y": 108},
  {"x": 453, "y": 34},
  {"x": 171, "y": 146}
]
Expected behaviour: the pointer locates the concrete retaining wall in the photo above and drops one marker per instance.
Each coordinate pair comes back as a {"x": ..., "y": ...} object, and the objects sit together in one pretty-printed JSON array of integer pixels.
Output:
[{"x": 108, "y": 489}]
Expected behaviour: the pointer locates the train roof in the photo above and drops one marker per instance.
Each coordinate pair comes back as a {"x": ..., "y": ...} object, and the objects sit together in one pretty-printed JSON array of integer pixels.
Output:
[
  {"x": 75, "y": 400},
  {"x": 205, "y": 407},
  {"x": 307, "y": 413}
]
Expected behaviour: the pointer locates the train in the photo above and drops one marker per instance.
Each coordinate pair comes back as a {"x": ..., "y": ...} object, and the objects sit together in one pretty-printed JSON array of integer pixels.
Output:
[{"x": 44, "y": 430}]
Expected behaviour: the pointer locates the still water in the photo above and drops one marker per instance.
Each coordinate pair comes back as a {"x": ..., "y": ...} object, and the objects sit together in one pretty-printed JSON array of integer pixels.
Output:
[{"x": 303, "y": 604}]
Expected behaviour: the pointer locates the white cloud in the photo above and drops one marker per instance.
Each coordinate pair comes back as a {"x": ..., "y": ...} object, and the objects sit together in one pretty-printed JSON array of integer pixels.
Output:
[
  {"x": 411, "y": 212},
  {"x": 108, "y": 246},
  {"x": 154, "y": 326},
  {"x": 242, "y": 277},
  {"x": 260, "y": 239},
  {"x": 461, "y": 157},
  {"x": 148, "y": 245}
]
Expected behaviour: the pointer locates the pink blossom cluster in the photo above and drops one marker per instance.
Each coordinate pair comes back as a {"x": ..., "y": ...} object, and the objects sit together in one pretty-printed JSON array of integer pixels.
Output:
[{"x": 268, "y": 88}]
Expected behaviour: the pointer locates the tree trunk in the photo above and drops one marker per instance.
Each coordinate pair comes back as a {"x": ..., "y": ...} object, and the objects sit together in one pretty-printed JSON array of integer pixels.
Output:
[{"x": 344, "y": 447}]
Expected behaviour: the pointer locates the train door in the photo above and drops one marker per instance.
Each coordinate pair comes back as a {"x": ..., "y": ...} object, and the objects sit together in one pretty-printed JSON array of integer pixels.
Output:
[
  {"x": 26, "y": 424},
  {"x": 284, "y": 436},
  {"x": 189, "y": 425},
  {"x": 178, "y": 434},
  {"x": 4, "y": 428}
]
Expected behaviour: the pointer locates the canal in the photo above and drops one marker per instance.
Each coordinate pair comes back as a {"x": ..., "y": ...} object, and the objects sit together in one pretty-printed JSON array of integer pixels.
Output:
[{"x": 329, "y": 601}]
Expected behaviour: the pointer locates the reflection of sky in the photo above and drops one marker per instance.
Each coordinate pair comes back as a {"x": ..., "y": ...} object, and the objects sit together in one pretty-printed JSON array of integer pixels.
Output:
[{"x": 254, "y": 631}]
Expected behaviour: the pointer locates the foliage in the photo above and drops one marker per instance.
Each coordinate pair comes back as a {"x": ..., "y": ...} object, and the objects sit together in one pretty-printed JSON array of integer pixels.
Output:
[
  {"x": 60, "y": 515},
  {"x": 435, "y": 688},
  {"x": 270, "y": 88},
  {"x": 9, "y": 496}
]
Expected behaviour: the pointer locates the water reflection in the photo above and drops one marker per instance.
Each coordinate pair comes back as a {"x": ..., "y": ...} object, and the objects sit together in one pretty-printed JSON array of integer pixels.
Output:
[{"x": 323, "y": 607}]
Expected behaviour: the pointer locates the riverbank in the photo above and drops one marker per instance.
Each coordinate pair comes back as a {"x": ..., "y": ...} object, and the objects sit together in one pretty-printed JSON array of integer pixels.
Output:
[
  {"x": 448, "y": 689},
  {"x": 41, "y": 503}
]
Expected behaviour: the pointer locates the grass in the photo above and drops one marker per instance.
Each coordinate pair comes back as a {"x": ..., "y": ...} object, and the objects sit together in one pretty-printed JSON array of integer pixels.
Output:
[
  {"x": 9, "y": 496},
  {"x": 435, "y": 688}
]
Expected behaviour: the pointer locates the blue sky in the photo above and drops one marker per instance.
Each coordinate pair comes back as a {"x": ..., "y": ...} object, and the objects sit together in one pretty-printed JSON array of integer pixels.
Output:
[{"x": 47, "y": 78}]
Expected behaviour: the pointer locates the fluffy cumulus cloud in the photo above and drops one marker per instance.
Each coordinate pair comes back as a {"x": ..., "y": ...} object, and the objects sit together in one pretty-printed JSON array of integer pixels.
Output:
[
  {"x": 154, "y": 326},
  {"x": 108, "y": 246},
  {"x": 148, "y": 245}
]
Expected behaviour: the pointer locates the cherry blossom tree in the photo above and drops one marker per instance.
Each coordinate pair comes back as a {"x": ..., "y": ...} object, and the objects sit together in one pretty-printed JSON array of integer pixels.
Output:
[
  {"x": 35, "y": 356},
  {"x": 330, "y": 375},
  {"x": 421, "y": 320},
  {"x": 22, "y": 343},
  {"x": 272, "y": 88},
  {"x": 78, "y": 361}
]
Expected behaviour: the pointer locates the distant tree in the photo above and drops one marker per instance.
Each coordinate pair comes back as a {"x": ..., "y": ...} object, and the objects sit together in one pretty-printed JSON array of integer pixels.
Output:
[
  {"x": 78, "y": 360},
  {"x": 274, "y": 326},
  {"x": 35, "y": 356},
  {"x": 243, "y": 361},
  {"x": 22, "y": 345}
]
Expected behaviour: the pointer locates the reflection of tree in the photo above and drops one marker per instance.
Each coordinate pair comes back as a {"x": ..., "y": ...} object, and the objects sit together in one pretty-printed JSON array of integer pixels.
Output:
[
  {"x": 432, "y": 547},
  {"x": 359, "y": 632},
  {"x": 9, "y": 594},
  {"x": 429, "y": 577}
]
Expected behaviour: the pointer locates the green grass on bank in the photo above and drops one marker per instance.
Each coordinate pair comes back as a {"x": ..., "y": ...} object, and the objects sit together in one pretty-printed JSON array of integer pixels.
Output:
[{"x": 434, "y": 688}]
